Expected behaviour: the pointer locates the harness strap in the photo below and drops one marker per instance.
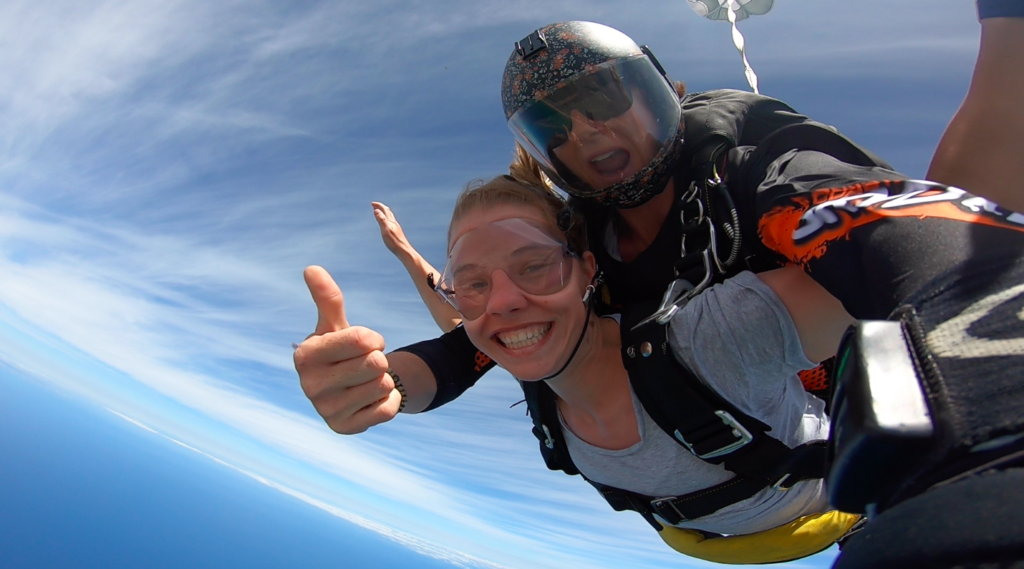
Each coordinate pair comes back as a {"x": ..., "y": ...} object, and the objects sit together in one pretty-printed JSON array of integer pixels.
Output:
[
  {"x": 676, "y": 509},
  {"x": 697, "y": 418},
  {"x": 543, "y": 409},
  {"x": 705, "y": 423}
]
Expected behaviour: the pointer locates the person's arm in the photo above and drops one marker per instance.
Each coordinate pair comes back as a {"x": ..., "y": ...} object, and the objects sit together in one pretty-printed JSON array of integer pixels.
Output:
[
  {"x": 819, "y": 317},
  {"x": 418, "y": 379},
  {"x": 982, "y": 147},
  {"x": 446, "y": 317},
  {"x": 741, "y": 340}
]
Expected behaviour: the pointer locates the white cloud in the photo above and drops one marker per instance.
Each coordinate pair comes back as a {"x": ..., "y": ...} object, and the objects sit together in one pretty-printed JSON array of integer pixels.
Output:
[
  {"x": 117, "y": 297},
  {"x": 410, "y": 541}
]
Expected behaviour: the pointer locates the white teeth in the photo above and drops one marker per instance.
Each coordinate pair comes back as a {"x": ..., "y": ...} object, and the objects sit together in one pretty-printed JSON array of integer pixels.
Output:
[
  {"x": 520, "y": 339},
  {"x": 603, "y": 156}
]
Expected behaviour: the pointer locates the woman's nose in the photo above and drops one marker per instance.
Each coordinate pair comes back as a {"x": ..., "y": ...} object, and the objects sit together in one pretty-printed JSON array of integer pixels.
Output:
[
  {"x": 582, "y": 125},
  {"x": 505, "y": 296}
]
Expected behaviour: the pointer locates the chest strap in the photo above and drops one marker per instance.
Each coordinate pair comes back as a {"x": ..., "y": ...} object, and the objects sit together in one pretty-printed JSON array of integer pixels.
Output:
[
  {"x": 676, "y": 509},
  {"x": 695, "y": 417},
  {"x": 673, "y": 510},
  {"x": 705, "y": 423}
]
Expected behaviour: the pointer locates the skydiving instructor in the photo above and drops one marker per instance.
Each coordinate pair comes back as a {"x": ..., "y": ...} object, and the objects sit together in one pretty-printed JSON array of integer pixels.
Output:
[{"x": 800, "y": 194}]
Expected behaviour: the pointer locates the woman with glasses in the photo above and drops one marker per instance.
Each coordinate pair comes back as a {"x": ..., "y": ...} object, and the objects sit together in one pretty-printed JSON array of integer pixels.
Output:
[{"x": 520, "y": 277}]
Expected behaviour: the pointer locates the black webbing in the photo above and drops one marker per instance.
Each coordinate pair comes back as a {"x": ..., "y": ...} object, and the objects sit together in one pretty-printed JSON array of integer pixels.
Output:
[
  {"x": 704, "y": 422},
  {"x": 675, "y": 509},
  {"x": 677, "y": 401}
]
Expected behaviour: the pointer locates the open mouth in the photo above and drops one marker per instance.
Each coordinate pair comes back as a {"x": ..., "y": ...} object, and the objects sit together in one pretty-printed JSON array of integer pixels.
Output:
[
  {"x": 524, "y": 337},
  {"x": 611, "y": 163}
]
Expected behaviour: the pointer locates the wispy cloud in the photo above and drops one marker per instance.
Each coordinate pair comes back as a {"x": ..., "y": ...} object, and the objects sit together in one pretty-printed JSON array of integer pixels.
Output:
[
  {"x": 119, "y": 297},
  {"x": 410, "y": 541}
]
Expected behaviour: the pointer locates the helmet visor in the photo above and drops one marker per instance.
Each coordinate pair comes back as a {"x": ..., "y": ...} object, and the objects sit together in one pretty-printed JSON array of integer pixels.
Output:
[
  {"x": 532, "y": 259},
  {"x": 602, "y": 127}
]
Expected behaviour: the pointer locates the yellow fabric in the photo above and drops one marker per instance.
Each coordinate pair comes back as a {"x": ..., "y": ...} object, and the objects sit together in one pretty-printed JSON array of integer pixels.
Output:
[{"x": 799, "y": 538}]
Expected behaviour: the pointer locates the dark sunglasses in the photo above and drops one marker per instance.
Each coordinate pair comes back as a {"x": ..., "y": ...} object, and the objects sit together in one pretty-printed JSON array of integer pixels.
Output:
[{"x": 599, "y": 96}]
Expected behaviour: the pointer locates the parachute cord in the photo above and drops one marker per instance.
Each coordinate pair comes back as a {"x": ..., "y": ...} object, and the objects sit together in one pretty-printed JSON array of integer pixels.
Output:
[
  {"x": 737, "y": 40},
  {"x": 731, "y": 227},
  {"x": 736, "y": 236}
]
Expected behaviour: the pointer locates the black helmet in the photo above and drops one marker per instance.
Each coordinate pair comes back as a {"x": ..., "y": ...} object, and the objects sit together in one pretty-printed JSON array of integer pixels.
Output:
[{"x": 625, "y": 112}]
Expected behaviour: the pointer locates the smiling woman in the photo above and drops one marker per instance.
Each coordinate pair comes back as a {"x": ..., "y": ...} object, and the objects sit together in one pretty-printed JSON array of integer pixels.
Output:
[
  {"x": 545, "y": 262},
  {"x": 517, "y": 272},
  {"x": 547, "y": 334}
]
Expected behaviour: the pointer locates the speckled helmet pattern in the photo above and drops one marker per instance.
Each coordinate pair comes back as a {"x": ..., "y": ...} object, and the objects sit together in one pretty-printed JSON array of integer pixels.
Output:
[
  {"x": 572, "y": 47},
  {"x": 574, "y": 50}
]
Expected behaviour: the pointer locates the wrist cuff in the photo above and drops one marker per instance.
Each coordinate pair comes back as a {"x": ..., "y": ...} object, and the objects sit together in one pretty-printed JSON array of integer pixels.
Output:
[{"x": 1000, "y": 9}]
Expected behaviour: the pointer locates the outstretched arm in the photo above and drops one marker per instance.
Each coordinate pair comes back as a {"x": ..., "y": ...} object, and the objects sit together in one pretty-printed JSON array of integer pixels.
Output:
[
  {"x": 982, "y": 147},
  {"x": 418, "y": 268}
]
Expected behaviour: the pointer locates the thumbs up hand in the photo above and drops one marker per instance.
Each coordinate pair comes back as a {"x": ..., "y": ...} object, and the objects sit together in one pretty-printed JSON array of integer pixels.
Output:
[{"x": 342, "y": 368}]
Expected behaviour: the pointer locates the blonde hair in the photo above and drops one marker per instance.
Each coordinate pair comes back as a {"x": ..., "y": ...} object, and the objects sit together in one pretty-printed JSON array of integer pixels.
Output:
[
  {"x": 506, "y": 190},
  {"x": 526, "y": 169}
]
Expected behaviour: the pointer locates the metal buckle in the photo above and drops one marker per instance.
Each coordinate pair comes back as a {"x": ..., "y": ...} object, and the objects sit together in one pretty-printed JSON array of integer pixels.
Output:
[
  {"x": 738, "y": 430},
  {"x": 682, "y": 216},
  {"x": 665, "y": 313},
  {"x": 548, "y": 440},
  {"x": 679, "y": 291},
  {"x": 656, "y": 505},
  {"x": 779, "y": 483}
]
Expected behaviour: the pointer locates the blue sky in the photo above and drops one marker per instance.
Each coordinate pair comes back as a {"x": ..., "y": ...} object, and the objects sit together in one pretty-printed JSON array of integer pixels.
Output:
[{"x": 167, "y": 169}]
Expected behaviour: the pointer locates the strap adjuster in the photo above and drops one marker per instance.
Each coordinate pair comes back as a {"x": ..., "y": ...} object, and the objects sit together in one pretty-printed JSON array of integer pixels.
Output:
[
  {"x": 780, "y": 483},
  {"x": 743, "y": 437},
  {"x": 665, "y": 507}
]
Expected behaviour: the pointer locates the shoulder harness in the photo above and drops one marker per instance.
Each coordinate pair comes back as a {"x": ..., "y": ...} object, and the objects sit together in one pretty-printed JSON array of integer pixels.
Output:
[{"x": 694, "y": 416}]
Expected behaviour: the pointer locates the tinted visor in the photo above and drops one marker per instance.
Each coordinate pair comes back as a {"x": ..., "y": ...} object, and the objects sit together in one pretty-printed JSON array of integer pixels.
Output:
[
  {"x": 610, "y": 90},
  {"x": 528, "y": 256},
  {"x": 599, "y": 96}
]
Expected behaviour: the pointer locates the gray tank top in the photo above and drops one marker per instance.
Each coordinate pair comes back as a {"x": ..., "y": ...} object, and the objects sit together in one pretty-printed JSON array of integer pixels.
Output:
[{"x": 749, "y": 352}]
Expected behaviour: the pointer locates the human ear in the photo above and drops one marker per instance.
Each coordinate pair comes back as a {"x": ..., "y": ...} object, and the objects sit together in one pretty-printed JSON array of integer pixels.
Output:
[{"x": 589, "y": 263}]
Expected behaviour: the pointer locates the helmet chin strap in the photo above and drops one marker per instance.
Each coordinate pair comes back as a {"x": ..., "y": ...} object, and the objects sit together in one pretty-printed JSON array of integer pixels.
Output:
[{"x": 588, "y": 299}]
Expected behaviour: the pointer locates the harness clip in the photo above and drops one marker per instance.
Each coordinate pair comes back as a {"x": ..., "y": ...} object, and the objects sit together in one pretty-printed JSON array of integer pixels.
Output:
[
  {"x": 664, "y": 508},
  {"x": 779, "y": 483},
  {"x": 742, "y": 435},
  {"x": 548, "y": 441},
  {"x": 679, "y": 293}
]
